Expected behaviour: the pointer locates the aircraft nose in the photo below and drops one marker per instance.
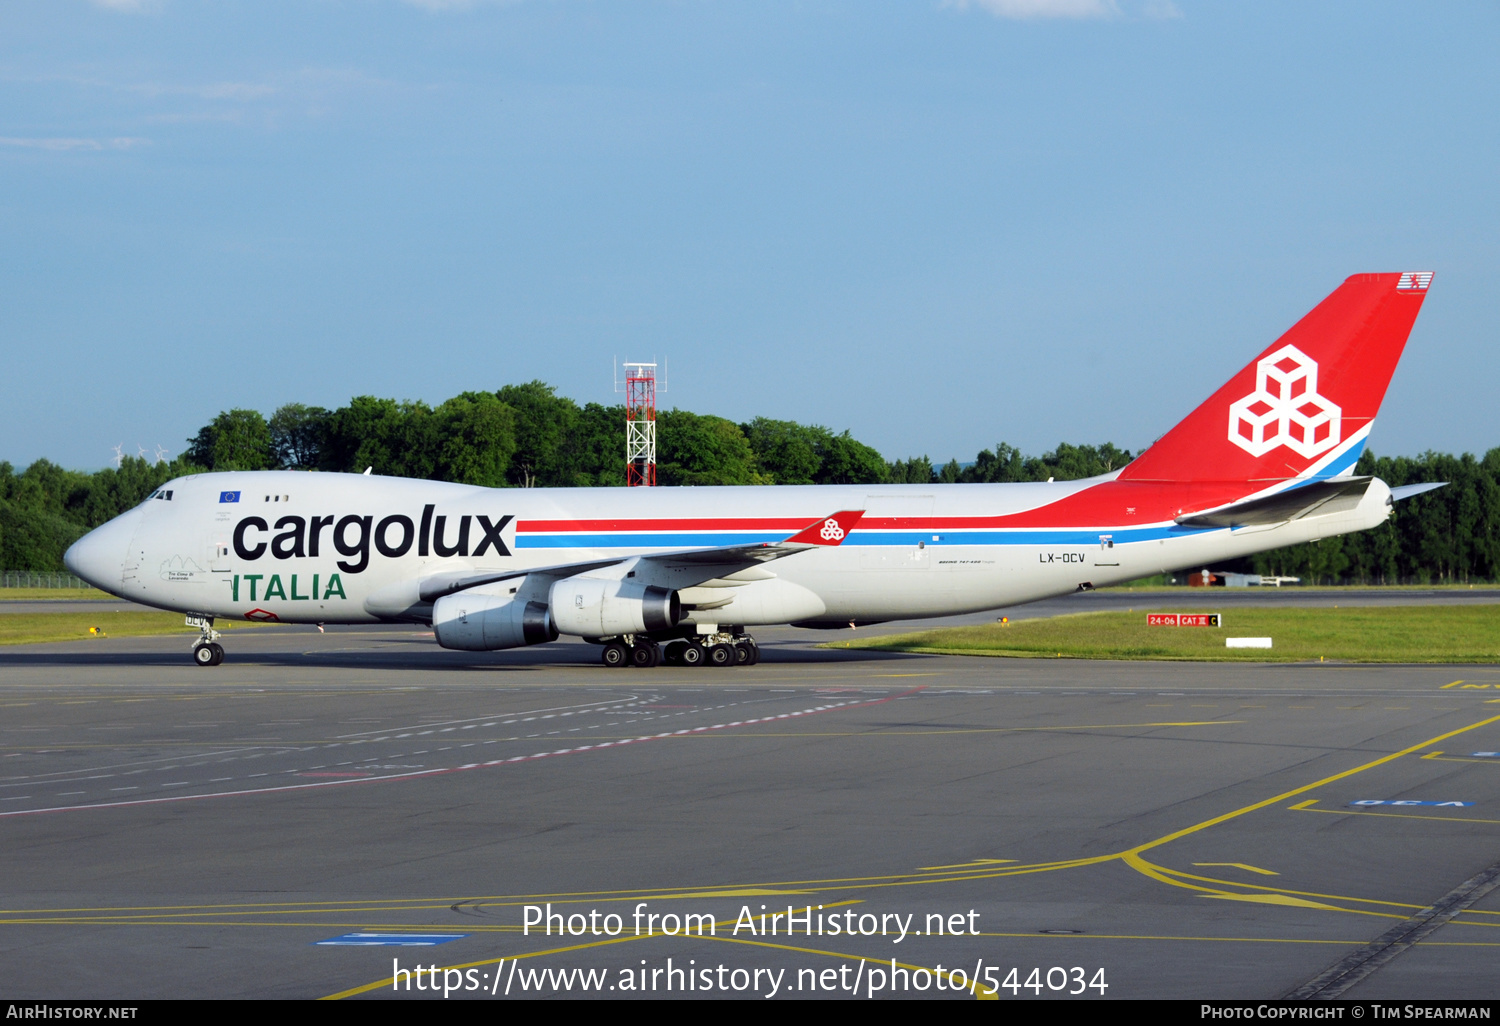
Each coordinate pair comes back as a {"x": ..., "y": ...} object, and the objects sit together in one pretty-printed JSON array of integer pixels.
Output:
[{"x": 98, "y": 556}]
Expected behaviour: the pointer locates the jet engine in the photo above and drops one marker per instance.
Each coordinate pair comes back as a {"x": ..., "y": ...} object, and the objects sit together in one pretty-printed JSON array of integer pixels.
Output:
[
  {"x": 476, "y": 621},
  {"x": 600, "y": 608}
]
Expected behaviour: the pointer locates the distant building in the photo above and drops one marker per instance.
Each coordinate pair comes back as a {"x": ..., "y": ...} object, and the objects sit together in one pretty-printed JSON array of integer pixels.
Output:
[{"x": 1206, "y": 578}]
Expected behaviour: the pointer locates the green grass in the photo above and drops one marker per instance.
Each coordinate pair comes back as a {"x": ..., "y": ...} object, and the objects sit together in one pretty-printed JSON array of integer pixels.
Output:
[
  {"x": 1392, "y": 634},
  {"x": 30, "y": 628},
  {"x": 57, "y": 594},
  {"x": 1152, "y": 586}
]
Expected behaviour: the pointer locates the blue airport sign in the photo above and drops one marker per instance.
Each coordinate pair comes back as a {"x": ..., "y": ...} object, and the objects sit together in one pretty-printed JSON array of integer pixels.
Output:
[
  {"x": 1485, "y": 755},
  {"x": 1403, "y": 801}
]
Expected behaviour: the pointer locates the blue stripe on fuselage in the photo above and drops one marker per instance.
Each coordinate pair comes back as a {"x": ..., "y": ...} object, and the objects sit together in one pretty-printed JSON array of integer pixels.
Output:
[
  {"x": 1342, "y": 463},
  {"x": 1073, "y": 536},
  {"x": 939, "y": 536}
]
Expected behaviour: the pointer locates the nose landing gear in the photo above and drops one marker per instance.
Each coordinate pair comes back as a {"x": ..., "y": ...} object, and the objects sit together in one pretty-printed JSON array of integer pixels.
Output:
[{"x": 206, "y": 650}]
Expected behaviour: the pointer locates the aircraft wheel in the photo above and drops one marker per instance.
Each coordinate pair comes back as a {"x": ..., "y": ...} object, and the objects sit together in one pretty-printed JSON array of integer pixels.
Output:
[
  {"x": 615, "y": 655},
  {"x": 672, "y": 654},
  {"x": 645, "y": 656},
  {"x": 692, "y": 655},
  {"x": 722, "y": 655},
  {"x": 218, "y": 652},
  {"x": 203, "y": 655},
  {"x": 742, "y": 655}
]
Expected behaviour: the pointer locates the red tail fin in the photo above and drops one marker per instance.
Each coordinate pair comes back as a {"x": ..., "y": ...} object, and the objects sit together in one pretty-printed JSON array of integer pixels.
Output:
[{"x": 1304, "y": 406}]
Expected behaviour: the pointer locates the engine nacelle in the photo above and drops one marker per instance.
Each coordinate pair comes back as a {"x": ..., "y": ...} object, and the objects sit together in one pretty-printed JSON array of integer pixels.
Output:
[
  {"x": 478, "y": 622},
  {"x": 598, "y": 608}
]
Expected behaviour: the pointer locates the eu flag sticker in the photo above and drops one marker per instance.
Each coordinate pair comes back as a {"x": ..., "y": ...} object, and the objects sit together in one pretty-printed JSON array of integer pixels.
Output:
[{"x": 229, "y": 496}]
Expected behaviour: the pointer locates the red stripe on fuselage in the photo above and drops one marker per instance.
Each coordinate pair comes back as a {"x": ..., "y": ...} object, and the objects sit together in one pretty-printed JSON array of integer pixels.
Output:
[
  {"x": 1124, "y": 504},
  {"x": 1109, "y": 503},
  {"x": 701, "y": 524}
]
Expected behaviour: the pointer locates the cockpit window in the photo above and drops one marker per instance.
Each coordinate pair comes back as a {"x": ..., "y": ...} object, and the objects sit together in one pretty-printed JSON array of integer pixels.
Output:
[{"x": 160, "y": 493}]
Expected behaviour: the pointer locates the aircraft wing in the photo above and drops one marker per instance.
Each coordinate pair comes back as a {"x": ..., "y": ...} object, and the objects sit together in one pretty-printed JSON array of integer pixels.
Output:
[
  {"x": 690, "y": 567},
  {"x": 829, "y": 531},
  {"x": 435, "y": 587}
]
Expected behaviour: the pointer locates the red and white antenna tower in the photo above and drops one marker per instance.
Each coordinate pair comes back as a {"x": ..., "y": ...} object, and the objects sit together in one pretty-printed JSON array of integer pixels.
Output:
[{"x": 640, "y": 424}]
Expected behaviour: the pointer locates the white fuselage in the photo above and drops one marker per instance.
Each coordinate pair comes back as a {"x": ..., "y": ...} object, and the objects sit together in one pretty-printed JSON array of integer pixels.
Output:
[{"x": 339, "y": 548}]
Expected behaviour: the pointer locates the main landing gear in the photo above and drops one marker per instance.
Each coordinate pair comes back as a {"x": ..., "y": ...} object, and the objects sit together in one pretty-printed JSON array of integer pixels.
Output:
[
  {"x": 713, "y": 649},
  {"x": 206, "y": 650}
]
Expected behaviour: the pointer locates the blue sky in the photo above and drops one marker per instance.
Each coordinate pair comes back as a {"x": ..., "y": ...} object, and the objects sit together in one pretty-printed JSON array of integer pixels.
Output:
[{"x": 939, "y": 225}]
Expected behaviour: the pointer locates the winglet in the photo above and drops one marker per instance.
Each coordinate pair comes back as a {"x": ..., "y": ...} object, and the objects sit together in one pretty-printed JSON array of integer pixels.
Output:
[{"x": 830, "y": 530}]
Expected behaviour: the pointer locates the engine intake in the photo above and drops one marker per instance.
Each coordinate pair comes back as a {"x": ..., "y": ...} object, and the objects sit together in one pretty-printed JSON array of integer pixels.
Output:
[{"x": 477, "y": 622}]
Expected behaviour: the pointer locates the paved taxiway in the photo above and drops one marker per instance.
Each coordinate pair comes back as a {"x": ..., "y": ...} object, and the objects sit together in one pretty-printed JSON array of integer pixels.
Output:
[
  {"x": 1106, "y": 600},
  {"x": 175, "y": 831}
]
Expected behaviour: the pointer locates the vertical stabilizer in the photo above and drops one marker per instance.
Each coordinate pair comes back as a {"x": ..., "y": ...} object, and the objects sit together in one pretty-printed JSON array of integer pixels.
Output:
[{"x": 1303, "y": 407}]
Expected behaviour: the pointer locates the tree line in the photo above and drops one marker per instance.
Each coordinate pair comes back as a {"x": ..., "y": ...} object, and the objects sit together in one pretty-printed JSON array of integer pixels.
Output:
[
  {"x": 1446, "y": 536},
  {"x": 527, "y": 436}
]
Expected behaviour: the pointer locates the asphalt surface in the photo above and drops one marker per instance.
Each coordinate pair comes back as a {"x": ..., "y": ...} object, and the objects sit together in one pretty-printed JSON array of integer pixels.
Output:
[
  {"x": 1109, "y": 599},
  {"x": 1123, "y": 829}
]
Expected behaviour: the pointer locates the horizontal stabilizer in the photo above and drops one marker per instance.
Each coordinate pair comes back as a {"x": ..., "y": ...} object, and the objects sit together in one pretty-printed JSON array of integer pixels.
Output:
[
  {"x": 1335, "y": 495},
  {"x": 1407, "y": 491}
]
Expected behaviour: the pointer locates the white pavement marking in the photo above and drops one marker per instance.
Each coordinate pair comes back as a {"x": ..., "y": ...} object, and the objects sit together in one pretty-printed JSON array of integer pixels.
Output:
[{"x": 445, "y": 770}]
